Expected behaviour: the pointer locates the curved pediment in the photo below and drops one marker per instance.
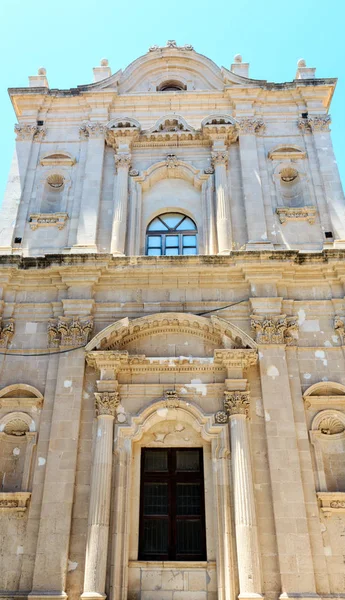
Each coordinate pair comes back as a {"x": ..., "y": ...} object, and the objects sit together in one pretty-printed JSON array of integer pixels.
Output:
[{"x": 174, "y": 329}]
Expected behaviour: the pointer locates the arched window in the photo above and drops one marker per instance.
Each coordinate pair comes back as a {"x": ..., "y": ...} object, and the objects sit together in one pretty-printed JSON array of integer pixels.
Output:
[
  {"x": 171, "y": 234},
  {"x": 171, "y": 86}
]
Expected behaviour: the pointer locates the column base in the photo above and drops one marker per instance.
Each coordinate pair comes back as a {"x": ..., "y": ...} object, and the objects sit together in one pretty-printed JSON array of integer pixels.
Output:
[
  {"x": 35, "y": 595},
  {"x": 115, "y": 253},
  {"x": 338, "y": 244},
  {"x": 299, "y": 596},
  {"x": 250, "y": 596},
  {"x": 259, "y": 245},
  {"x": 81, "y": 249},
  {"x": 92, "y": 596},
  {"x": 6, "y": 250}
]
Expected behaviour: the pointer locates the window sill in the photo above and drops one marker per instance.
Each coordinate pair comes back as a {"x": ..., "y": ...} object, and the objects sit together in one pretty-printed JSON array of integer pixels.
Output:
[
  {"x": 172, "y": 564},
  {"x": 303, "y": 213},
  {"x": 13, "y": 502},
  {"x": 331, "y": 503},
  {"x": 48, "y": 220}
]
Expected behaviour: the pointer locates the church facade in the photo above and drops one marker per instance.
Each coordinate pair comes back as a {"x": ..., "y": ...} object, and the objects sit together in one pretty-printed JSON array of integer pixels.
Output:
[{"x": 172, "y": 337}]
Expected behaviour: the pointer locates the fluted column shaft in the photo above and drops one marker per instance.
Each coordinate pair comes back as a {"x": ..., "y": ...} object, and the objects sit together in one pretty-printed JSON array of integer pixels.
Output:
[
  {"x": 99, "y": 511},
  {"x": 118, "y": 236},
  {"x": 247, "y": 543},
  {"x": 224, "y": 233}
]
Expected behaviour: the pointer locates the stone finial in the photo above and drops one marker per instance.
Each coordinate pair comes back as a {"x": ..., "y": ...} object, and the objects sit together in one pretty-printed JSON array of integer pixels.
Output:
[
  {"x": 276, "y": 329},
  {"x": 235, "y": 403},
  {"x": 304, "y": 72},
  {"x": 6, "y": 333},
  {"x": 239, "y": 67},
  {"x": 39, "y": 80},
  {"x": 103, "y": 71},
  {"x": 107, "y": 403}
]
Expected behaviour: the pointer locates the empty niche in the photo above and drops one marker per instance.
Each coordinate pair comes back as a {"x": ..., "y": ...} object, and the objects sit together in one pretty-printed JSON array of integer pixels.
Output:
[{"x": 53, "y": 193}]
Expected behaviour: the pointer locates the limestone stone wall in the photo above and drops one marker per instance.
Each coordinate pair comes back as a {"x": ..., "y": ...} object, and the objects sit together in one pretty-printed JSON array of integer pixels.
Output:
[{"x": 238, "y": 350}]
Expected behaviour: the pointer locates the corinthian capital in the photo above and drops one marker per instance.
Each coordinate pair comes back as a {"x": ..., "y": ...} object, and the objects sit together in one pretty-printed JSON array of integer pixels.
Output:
[
  {"x": 92, "y": 130},
  {"x": 65, "y": 332},
  {"x": 339, "y": 326},
  {"x": 278, "y": 329},
  {"x": 107, "y": 403},
  {"x": 251, "y": 126},
  {"x": 28, "y": 132},
  {"x": 235, "y": 403},
  {"x": 123, "y": 160},
  {"x": 219, "y": 157},
  {"x": 6, "y": 333},
  {"x": 315, "y": 124},
  {"x": 320, "y": 123}
]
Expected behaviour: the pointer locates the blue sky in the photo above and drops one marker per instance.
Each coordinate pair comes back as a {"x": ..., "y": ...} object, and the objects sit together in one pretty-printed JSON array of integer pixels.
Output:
[{"x": 70, "y": 37}]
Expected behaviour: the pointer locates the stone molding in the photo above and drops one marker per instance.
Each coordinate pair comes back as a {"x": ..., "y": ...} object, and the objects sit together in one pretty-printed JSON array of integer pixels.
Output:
[
  {"x": 275, "y": 329},
  {"x": 6, "y": 332},
  {"x": 331, "y": 503},
  {"x": 66, "y": 332},
  {"x": 220, "y": 127},
  {"x": 14, "y": 501},
  {"x": 107, "y": 403},
  {"x": 303, "y": 213},
  {"x": 251, "y": 126},
  {"x": 58, "y": 220},
  {"x": 325, "y": 395},
  {"x": 339, "y": 326},
  {"x": 140, "y": 363},
  {"x": 235, "y": 403},
  {"x": 92, "y": 130},
  {"x": 10, "y": 397},
  {"x": 27, "y": 133},
  {"x": 314, "y": 124}
]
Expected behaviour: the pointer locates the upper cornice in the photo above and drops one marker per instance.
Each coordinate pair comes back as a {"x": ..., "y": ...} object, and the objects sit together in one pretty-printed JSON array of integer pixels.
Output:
[{"x": 196, "y": 73}]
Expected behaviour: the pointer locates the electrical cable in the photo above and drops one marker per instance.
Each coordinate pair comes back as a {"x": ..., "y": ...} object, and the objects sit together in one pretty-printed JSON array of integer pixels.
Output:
[{"x": 78, "y": 347}]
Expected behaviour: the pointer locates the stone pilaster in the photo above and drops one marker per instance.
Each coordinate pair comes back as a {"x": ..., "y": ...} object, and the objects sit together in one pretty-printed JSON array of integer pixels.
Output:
[
  {"x": 293, "y": 540},
  {"x": 99, "y": 511},
  {"x": 318, "y": 125},
  {"x": 248, "y": 128},
  {"x": 223, "y": 219},
  {"x": 13, "y": 209},
  {"x": 93, "y": 135},
  {"x": 236, "y": 405},
  {"x": 118, "y": 235},
  {"x": 58, "y": 493}
]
